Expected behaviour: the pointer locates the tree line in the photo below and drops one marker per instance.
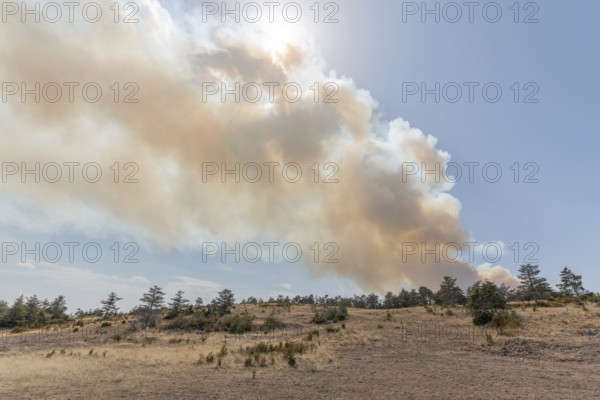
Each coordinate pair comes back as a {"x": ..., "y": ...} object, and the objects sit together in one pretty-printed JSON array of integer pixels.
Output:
[{"x": 31, "y": 312}]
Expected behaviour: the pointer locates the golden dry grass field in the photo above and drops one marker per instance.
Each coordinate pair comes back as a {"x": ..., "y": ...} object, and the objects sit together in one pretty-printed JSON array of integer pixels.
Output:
[{"x": 406, "y": 354}]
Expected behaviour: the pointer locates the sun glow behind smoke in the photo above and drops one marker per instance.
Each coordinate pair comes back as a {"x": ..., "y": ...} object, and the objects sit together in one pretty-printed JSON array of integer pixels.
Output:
[{"x": 279, "y": 36}]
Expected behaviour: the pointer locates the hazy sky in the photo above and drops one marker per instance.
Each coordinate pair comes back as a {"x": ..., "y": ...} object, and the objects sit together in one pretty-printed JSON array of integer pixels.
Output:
[{"x": 506, "y": 87}]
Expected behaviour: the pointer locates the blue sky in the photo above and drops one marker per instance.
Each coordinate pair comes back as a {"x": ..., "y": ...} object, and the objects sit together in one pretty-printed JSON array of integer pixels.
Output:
[
  {"x": 558, "y": 133},
  {"x": 554, "y": 60}
]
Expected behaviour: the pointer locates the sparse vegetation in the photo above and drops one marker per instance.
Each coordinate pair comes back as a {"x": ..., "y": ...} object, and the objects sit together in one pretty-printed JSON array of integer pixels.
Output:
[{"x": 308, "y": 349}]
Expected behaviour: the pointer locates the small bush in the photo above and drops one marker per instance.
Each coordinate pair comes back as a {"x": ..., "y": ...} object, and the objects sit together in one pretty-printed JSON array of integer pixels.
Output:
[
  {"x": 237, "y": 324},
  {"x": 333, "y": 314},
  {"x": 256, "y": 355},
  {"x": 291, "y": 359},
  {"x": 505, "y": 320},
  {"x": 484, "y": 301},
  {"x": 332, "y": 329},
  {"x": 312, "y": 334},
  {"x": 196, "y": 321},
  {"x": 482, "y": 318},
  {"x": 223, "y": 351},
  {"x": 271, "y": 323},
  {"x": 210, "y": 357}
]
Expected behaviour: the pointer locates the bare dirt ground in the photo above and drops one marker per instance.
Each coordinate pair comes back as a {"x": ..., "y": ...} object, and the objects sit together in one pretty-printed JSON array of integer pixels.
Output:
[{"x": 409, "y": 354}]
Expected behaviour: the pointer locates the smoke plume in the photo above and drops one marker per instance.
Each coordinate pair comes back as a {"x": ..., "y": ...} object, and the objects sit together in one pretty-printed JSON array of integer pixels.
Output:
[{"x": 176, "y": 133}]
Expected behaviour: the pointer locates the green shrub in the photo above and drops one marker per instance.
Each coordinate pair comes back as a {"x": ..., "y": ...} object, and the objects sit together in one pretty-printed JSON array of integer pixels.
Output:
[
  {"x": 196, "y": 321},
  {"x": 506, "y": 320},
  {"x": 483, "y": 301},
  {"x": 237, "y": 324},
  {"x": 333, "y": 314},
  {"x": 271, "y": 323},
  {"x": 482, "y": 318},
  {"x": 291, "y": 359},
  {"x": 210, "y": 357}
]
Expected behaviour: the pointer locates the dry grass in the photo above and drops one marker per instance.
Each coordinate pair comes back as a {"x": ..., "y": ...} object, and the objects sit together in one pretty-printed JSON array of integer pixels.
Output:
[{"x": 415, "y": 354}]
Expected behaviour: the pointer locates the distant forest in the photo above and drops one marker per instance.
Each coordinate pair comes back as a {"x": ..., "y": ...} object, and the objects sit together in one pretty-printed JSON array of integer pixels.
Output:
[{"x": 31, "y": 312}]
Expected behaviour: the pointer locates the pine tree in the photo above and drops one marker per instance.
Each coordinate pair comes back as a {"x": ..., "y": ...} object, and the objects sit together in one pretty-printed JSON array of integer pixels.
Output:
[
  {"x": 532, "y": 287},
  {"x": 58, "y": 307},
  {"x": 390, "y": 300},
  {"x": 404, "y": 298},
  {"x": 16, "y": 314},
  {"x": 3, "y": 310},
  {"x": 178, "y": 304},
  {"x": 372, "y": 301},
  {"x": 153, "y": 301},
  {"x": 450, "y": 294},
  {"x": 109, "y": 307},
  {"x": 571, "y": 284},
  {"x": 32, "y": 309},
  {"x": 199, "y": 302},
  {"x": 425, "y": 296},
  {"x": 223, "y": 302}
]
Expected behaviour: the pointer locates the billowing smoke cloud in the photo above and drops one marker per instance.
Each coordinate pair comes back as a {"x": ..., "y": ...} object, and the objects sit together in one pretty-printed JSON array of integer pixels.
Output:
[{"x": 176, "y": 133}]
